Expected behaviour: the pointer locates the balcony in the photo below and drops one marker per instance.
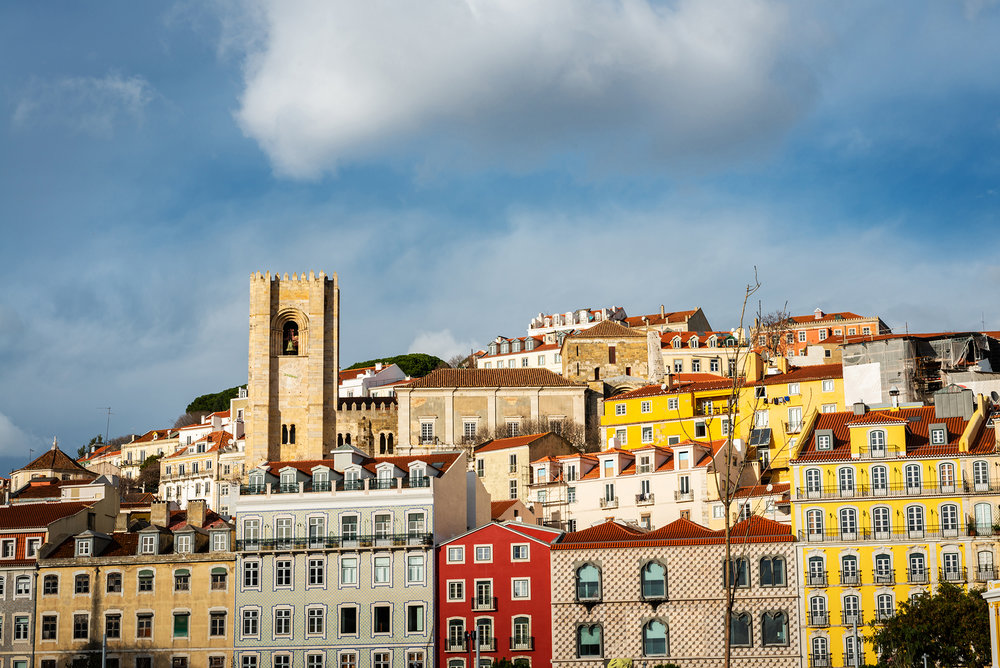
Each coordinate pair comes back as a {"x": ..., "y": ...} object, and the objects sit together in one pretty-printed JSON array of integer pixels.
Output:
[
  {"x": 882, "y": 616},
  {"x": 850, "y": 578},
  {"x": 333, "y": 541},
  {"x": 455, "y": 645},
  {"x": 609, "y": 503},
  {"x": 884, "y": 577},
  {"x": 683, "y": 496},
  {"x": 917, "y": 576},
  {"x": 819, "y": 618},
  {"x": 819, "y": 661},
  {"x": 862, "y": 534},
  {"x": 867, "y": 490},
  {"x": 952, "y": 574},
  {"x": 849, "y": 659},
  {"x": 526, "y": 644},
  {"x": 487, "y": 644},
  {"x": 816, "y": 579},
  {"x": 360, "y": 485},
  {"x": 985, "y": 574},
  {"x": 644, "y": 499},
  {"x": 382, "y": 483},
  {"x": 484, "y": 603},
  {"x": 851, "y": 617}
]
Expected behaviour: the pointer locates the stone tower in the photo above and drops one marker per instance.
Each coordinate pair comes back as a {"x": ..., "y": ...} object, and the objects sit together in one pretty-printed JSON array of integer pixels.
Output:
[{"x": 293, "y": 363}]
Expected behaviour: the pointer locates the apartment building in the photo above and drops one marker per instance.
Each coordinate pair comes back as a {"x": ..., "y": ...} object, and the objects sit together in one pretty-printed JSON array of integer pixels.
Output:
[
  {"x": 521, "y": 352},
  {"x": 503, "y": 465}
]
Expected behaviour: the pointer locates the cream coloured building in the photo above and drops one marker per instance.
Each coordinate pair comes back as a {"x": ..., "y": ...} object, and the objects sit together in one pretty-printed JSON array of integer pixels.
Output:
[
  {"x": 454, "y": 406},
  {"x": 504, "y": 464}
]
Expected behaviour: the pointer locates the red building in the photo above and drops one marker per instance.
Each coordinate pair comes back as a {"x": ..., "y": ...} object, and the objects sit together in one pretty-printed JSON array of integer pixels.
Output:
[{"x": 496, "y": 580}]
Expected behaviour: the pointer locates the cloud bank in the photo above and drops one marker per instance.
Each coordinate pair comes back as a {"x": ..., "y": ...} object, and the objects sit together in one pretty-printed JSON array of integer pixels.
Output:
[
  {"x": 450, "y": 80},
  {"x": 89, "y": 105}
]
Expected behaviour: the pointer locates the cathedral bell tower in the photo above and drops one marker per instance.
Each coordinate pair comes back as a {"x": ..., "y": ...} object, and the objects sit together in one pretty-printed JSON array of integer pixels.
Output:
[{"x": 293, "y": 367}]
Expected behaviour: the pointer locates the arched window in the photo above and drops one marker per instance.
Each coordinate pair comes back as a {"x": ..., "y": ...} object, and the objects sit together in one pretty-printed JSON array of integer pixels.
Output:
[
  {"x": 918, "y": 569},
  {"x": 772, "y": 572},
  {"x": 381, "y": 444},
  {"x": 284, "y": 434},
  {"x": 588, "y": 583},
  {"x": 884, "y": 607},
  {"x": 946, "y": 476},
  {"x": 820, "y": 652},
  {"x": 883, "y": 569},
  {"x": 912, "y": 475},
  {"x": 817, "y": 572},
  {"x": 876, "y": 443},
  {"x": 589, "y": 641},
  {"x": 654, "y": 581},
  {"x": 881, "y": 523},
  {"x": 814, "y": 524},
  {"x": 654, "y": 638},
  {"x": 848, "y": 524},
  {"x": 290, "y": 338},
  {"x": 50, "y": 585},
  {"x": 774, "y": 628},
  {"x": 880, "y": 480},
  {"x": 981, "y": 475},
  {"x": 347, "y": 439},
  {"x": 949, "y": 519},
  {"x": 849, "y": 650},
  {"x": 818, "y": 615},
  {"x": 849, "y": 574},
  {"x": 739, "y": 572},
  {"x": 814, "y": 482},
  {"x": 984, "y": 565},
  {"x": 845, "y": 478},
  {"x": 852, "y": 610},
  {"x": 522, "y": 634},
  {"x": 951, "y": 567},
  {"x": 340, "y": 440},
  {"x": 739, "y": 630},
  {"x": 389, "y": 443},
  {"x": 82, "y": 584},
  {"x": 915, "y": 521},
  {"x": 291, "y": 434}
]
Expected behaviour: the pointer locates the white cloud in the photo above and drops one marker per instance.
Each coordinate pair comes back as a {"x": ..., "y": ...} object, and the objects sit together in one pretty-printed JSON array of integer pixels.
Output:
[
  {"x": 90, "y": 105},
  {"x": 13, "y": 439},
  {"x": 441, "y": 343},
  {"x": 518, "y": 80}
]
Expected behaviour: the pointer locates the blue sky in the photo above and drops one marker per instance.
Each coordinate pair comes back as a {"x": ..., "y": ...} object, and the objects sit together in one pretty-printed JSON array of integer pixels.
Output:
[{"x": 463, "y": 165}]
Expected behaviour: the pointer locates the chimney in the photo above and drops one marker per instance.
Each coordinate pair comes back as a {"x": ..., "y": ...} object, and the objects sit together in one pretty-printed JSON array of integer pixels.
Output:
[
  {"x": 159, "y": 513},
  {"x": 860, "y": 408},
  {"x": 663, "y": 312},
  {"x": 121, "y": 522},
  {"x": 668, "y": 380},
  {"x": 818, "y": 313},
  {"x": 196, "y": 513},
  {"x": 378, "y": 367}
]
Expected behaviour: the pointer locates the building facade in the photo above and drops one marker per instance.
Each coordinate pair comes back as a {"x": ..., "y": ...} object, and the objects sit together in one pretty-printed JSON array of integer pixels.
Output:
[
  {"x": 504, "y": 464},
  {"x": 495, "y": 580}
]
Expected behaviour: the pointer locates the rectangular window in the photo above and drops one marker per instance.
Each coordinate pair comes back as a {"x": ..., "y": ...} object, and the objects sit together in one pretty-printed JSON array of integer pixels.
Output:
[
  {"x": 8, "y": 549},
  {"x": 148, "y": 545},
  {"x": 571, "y": 494},
  {"x": 512, "y": 489},
  {"x": 145, "y": 581},
  {"x": 113, "y": 626},
  {"x": 678, "y": 366},
  {"x": 647, "y": 434},
  {"x": 283, "y": 573},
  {"x": 484, "y": 553},
  {"x": 456, "y": 554},
  {"x": 219, "y": 581},
  {"x": 415, "y": 619},
  {"x": 512, "y": 463},
  {"x": 217, "y": 624},
  {"x": 520, "y": 588},
  {"x": 469, "y": 430},
  {"x": 793, "y": 389},
  {"x": 456, "y": 590},
  {"x": 828, "y": 385},
  {"x": 181, "y": 622},
  {"x": 182, "y": 544},
  {"x": 802, "y": 336},
  {"x": 182, "y": 581},
  {"x": 251, "y": 622},
  {"x": 315, "y": 621},
  {"x": 426, "y": 432},
  {"x": 82, "y": 584},
  {"x": 672, "y": 403},
  {"x": 144, "y": 625},
  {"x": 283, "y": 622},
  {"x": 251, "y": 574},
  {"x": 646, "y": 407},
  {"x": 620, "y": 408},
  {"x": 695, "y": 365},
  {"x": 380, "y": 619},
  {"x": 249, "y": 661},
  {"x": 50, "y": 624},
  {"x": 348, "y": 570},
  {"x": 519, "y": 552},
  {"x": 81, "y": 626},
  {"x": 415, "y": 568},
  {"x": 381, "y": 570},
  {"x": 317, "y": 572},
  {"x": 349, "y": 621}
]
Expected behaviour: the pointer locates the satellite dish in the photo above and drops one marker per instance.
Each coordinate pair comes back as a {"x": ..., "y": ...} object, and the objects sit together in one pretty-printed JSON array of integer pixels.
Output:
[
  {"x": 994, "y": 396},
  {"x": 770, "y": 487},
  {"x": 663, "y": 386}
]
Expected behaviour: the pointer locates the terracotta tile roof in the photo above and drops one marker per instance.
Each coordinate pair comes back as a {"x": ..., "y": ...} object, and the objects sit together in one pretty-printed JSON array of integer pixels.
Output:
[
  {"x": 521, "y": 377},
  {"x": 608, "y": 329},
  {"x": 444, "y": 460},
  {"x": 799, "y": 374},
  {"x": 218, "y": 439},
  {"x": 53, "y": 459},
  {"x": 918, "y": 421},
  {"x": 705, "y": 381},
  {"x": 985, "y": 441},
  {"x": 498, "y": 508},
  {"x": 351, "y": 374},
  {"x": 50, "y": 489},
  {"x": 667, "y": 338},
  {"x": 541, "y": 347},
  {"x": 657, "y": 319},
  {"x": 511, "y": 442},
  {"x": 154, "y": 434},
  {"x": 37, "y": 514},
  {"x": 762, "y": 490},
  {"x": 875, "y": 417},
  {"x": 121, "y": 545},
  {"x": 178, "y": 520},
  {"x": 678, "y": 533}
]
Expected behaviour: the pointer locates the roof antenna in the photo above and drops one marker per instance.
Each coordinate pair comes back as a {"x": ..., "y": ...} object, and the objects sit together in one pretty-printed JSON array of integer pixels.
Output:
[{"x": 107, "y": 427}]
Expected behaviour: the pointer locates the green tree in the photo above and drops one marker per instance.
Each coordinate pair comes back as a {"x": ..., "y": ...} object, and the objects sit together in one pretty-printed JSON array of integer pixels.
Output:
[
  {"x": 96, "y": 442},
  {"x": 211, "y": 403},
  {"x": 414, "y": 365},
  {"x": 149, "y": 474},
  {"x": 951, "y": 627}
]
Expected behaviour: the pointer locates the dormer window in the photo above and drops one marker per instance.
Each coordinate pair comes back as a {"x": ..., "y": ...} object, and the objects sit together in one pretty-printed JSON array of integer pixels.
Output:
[
  {"x": 493, "y": 349},
  {"x": 607, "y": 468},
  {"x": 321, "y": 481},
  {"x": 540, "y": 474},
  {"x": 256, "y": 482},
  {"x": 824, "y": 442},
  {"x": 220, "y": 541},
  {"x": 693, "y": 342},
  {"x": 530, "y": 344},
  {"x": 504, "y": 348},
  {"x": 676, "y": 343},
  {"x": 84, "y": 547},
  {"x": 200, "y": 447},
  {"x": 517, "y": 346},
  {"x": 147, "y": 544},
  {"x": 352, "y": 479},
  {"x": 182, "y": 544},
  {"x": 939, "y": 434},
  {"x": 876, "y": 442}
]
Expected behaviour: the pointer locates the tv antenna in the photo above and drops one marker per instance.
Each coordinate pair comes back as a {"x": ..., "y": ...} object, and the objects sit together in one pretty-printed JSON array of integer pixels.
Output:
[{"x": 107, "y": 427}]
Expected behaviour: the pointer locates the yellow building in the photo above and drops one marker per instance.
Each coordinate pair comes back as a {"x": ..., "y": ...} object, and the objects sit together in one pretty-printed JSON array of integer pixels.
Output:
[
  {"x": 162, "y": 596},
  {"x": 886, "y": 504},
  {"x": 782, "y": 406},
  {"x": 689, "y": 407}
]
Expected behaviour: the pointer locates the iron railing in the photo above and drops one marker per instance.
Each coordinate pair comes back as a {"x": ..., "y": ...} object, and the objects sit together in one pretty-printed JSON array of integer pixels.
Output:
[
  {"x": 335, "y": 541},
  {"x": 523, "y": 644},
  {"x": 404, "y": 482}
]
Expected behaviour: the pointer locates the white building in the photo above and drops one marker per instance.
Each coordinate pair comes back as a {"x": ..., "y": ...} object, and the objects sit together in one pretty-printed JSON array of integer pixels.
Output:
[
  {"x": 361, "y": 382},
  {"x": 521, "y": 352}
]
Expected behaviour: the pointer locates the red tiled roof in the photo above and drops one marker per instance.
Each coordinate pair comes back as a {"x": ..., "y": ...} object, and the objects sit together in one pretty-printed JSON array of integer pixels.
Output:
[
  {"x": 682, "y": 528},
  {"x": 520, "y": 377},
  {"x": 678, "y": 533},
  {"x": 875, "y": 417},
  {"x": 510, "y": 442},
  {"x": 608, "y": 329},
  {"x": 657, "y": 319},
  {"x": 705, "y": 381},
  {"x": 667, "y": 338},
  {"x": 985, "y": 441},
  {"x": 444, "y": 460},
  {"x": 53, "y": 459},
  {"x": 154, "y": 434},
  {"x": 827, "y": 317},
  {"x": 918, "y": 421},
  {"x": 762, "y": 490},
  {"x": 351, "y": 374},
  {"x": 608, "y": 531},
  {"x": 218, "y": 439},
  {"x": 498, "y": 508},
  {"x": 799, "y": 374},
  {"x": 37, "y": 514},
  {"x": 864, "y": 338},
  {"x": 48, "y": 490}
]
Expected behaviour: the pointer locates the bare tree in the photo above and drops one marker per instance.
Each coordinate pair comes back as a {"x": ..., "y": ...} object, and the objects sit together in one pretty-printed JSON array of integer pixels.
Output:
[
  {"x": 189, "y": 418},
  {"x": 771, "y": 331},
  {"x": 462, "y": 361}
]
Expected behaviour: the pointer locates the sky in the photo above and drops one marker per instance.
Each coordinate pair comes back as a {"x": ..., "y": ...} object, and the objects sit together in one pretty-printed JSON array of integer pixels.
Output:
[{"x": 463, "y": 165}]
